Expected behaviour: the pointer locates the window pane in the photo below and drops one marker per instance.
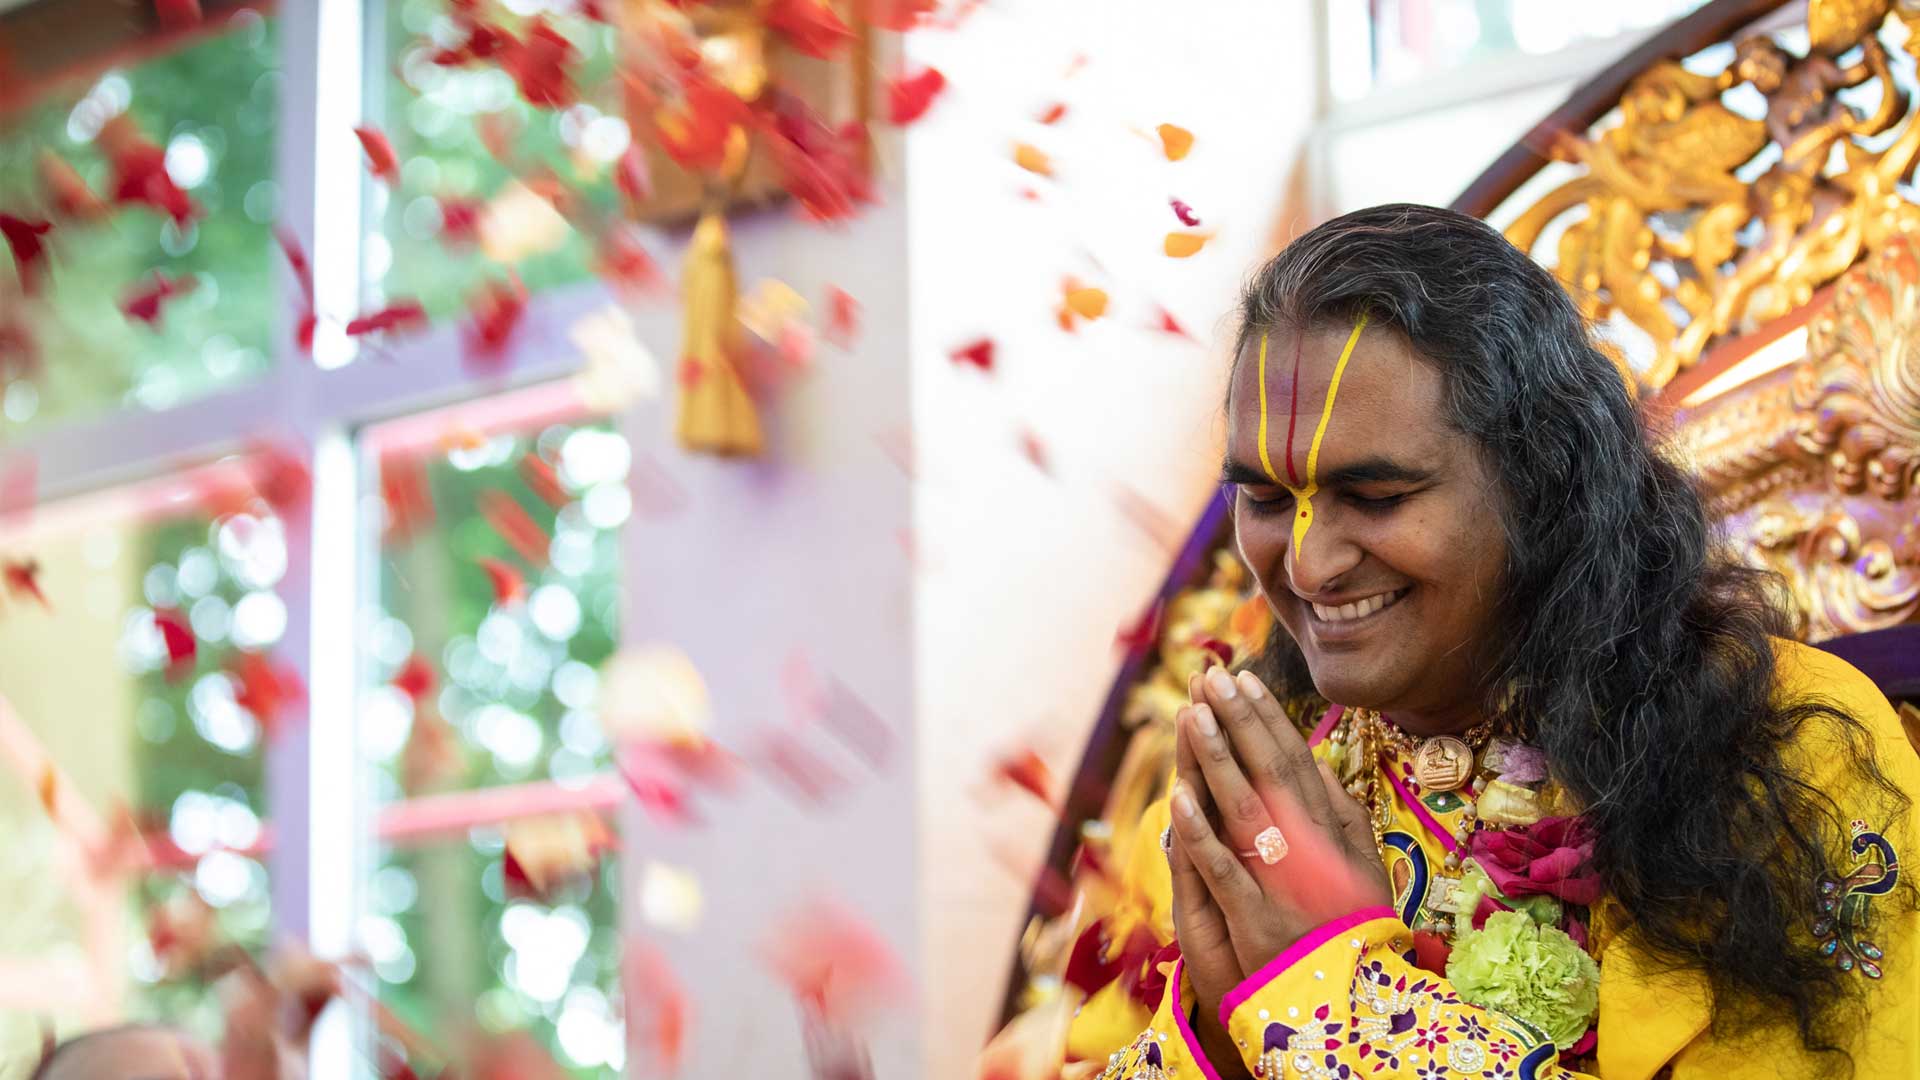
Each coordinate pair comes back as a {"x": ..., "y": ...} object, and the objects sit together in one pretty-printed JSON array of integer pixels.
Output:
[
  {"x": 1413, "y": 39},
  {"x": 192, "y": 130},
  {"x": 139, "y": 677},
  {"x": 434, "y": 117},
  {"x": 500, "y": 600}
]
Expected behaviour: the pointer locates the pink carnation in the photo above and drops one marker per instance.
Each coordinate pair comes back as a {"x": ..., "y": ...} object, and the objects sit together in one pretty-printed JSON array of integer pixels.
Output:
[{"x": 1551, "y": 857}]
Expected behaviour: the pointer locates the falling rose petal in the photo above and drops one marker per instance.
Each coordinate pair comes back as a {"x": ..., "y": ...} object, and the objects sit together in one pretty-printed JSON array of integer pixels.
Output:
[
  {"x": 140, "y": 175},
  {"x": 1180, "y": 245},
  {"x": 1088, "y": 303},
  {"x": 810, "y": 26},
  {"x": 544, "y": 480},
  {"x": 508, "y": 586},
  {"x": 910, "y": 96},
  {"x": 803, "y": 773},
  {"x": 857, "y": 725},
  {"x": 632, "y": 178},
  {"x": 843, "y": 317},
  {"x": 833, "y": 962},
  {"x": 67, "y": 194},
  {"x": 821, "y": 166},
  {"x": 504, "y": 514},
  {"x": 399, "y": 316},
  {"x": 539, "y": 65},
  {"x": 592, "y": 10},
  {"x": 460, "y": 220},
  {"x": 1137, "y": 637},
  {"x": 1185, "y": 213},
  {"x": 382, "y": 162},
  {"x": 281, "y": 477},
  {"x": 144, "y": 304},
  {"x": 1158, "y": 526},
  {"x": 1035, "y": 451},
  {"x": 978, "y": 353},
  {"x": 661, "y": 793},
  {"x": 546, "y": 853},
  {"x": 898, "y": 15},
  {"x": 415, "y": 678},
  {"x": 1175, "y": 141},
  {"x": 1032, "y": 159},
  {"x": 177, "y": 14},
  {"x": 27, "y": 239},
  {"x": 658, "y": 1011},
  {"x": 19, "y": 486},
  {"x": 179, "y": 640},
  {"x": 23, "y": 577},
  {"x": 1052, "y": 113},
  {"x": 694, "y": 129},
  {"x": 265, "y": 689},
  {"x": 1025, "y": 769},
  {"x": 47, "y": 788},
  {"x": 494, "y": 315},
  {"x": 1167, "y": 324},
  {"x": 433, "y": 758}
]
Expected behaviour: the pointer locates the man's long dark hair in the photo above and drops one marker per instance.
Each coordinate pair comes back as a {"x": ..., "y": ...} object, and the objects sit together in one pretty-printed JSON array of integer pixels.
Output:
[{"x": 1625, "y": 646}]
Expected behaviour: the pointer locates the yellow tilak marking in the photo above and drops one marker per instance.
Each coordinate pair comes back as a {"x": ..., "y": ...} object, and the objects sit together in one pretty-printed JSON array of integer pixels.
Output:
[
  {"x": 1303, "y": 520},
  {"x": 1265, "y": 462}
]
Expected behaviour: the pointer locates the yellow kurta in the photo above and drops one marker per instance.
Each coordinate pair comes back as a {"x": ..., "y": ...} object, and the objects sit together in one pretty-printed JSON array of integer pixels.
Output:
[{"x": 1345, "y": 1002}]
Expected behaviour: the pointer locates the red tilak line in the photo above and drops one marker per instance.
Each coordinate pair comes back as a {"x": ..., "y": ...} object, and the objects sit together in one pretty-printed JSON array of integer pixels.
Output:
[{"x": 1293, "y": 407}]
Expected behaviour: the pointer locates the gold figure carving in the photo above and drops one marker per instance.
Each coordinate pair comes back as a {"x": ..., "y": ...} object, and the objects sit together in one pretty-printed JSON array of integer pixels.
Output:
[
  {"x": 1694, "y": 222},
  {"x": 1814, "y": 471}
]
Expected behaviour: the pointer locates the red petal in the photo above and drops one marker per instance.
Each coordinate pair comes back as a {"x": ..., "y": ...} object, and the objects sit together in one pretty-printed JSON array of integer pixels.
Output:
[
  {"x": 180, "y": 642},
  {"x": 514, "y": 525},
  {"x": 1184, "y": 213},
  {"x": 538, "y": 64},
  {"x": 1035, "y": 451},
  {"x": 540, "y": 475},
  {"x": 1053, "y": 113},
  {"x": 404, "y": 315},
  {"x": 29, "y": 250},
  {"x": 1140, "y": 635},
  {"x": 23, "y": 577},
  {"x": 143, "y": 305},
  {"x": 898, "y": 15},
  {"x": 811, "y": 26},
  {"x": 177, "y": 14},
  {"x": 1028, "y": 771},
  {"x": 910, "y": 96},
  {"x": 1169, "y": 325},
  {"x": 843, "y": 317},
  {"x": 978, "y": 353},
  {"x": 508, "y": 586},
  {"x": 415, "y": 678},
  {"x": 381, "y": 160}
]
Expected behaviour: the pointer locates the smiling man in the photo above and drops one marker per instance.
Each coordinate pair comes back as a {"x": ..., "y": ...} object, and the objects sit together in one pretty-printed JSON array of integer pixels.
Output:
[{"x": 1578, "y": 808}]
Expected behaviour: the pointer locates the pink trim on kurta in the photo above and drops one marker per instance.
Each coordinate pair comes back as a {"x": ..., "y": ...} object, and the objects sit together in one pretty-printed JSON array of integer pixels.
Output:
[
  {"x": 1413, "y": 804},
  {"x": 1186, "y": 1030},
  {"x": 1325, "y": 726},
  {"x": 1296, "y": 952}
]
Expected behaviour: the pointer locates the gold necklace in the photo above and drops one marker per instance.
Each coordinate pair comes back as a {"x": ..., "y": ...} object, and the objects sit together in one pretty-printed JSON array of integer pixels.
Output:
[
  {"x": 1450, "y": 767},
  {"x": 1440, "y": 762}
]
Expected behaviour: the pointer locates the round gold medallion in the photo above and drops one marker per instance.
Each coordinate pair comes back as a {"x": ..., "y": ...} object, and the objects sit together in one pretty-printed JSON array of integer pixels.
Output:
[{"x": 1442, "y": 763}]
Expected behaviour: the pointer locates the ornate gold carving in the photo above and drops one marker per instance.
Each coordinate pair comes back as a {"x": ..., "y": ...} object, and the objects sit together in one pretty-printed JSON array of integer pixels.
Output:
[
  {"x": 1663, "y": 231},
  {"x": 1815, "y": 472}
]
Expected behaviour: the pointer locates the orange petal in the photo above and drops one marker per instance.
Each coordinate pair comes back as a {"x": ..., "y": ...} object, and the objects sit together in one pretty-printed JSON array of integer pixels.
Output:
[
  {"x": 1031, "y": 159},
  {"x": 1175, "y": 140},
  {"x": 48, "y": 788},
  {"x": 1088, "y": 303},
  {"x": 1180, "y": 245}
]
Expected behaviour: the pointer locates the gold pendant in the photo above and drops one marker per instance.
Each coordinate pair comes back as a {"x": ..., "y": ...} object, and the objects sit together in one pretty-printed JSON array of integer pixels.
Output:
[{"x": 1442, "y": 763}]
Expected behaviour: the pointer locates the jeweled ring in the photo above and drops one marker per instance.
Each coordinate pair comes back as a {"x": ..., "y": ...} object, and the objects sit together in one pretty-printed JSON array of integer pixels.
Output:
[{"x": 1269, "y": 847}]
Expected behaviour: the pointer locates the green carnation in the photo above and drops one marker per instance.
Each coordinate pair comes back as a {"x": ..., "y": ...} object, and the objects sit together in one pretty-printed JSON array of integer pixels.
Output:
[
  {"x": 1531, "y": 972},
  {"x": 1474, "y": 884}
]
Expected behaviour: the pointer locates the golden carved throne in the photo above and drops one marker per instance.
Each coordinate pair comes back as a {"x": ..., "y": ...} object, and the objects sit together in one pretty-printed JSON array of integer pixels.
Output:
[{"x": 1732, "y": 208}]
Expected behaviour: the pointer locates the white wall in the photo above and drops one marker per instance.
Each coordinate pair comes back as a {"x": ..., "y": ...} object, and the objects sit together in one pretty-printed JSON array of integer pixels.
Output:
[
  {"x": 792, "y": 551},
  {"x": 1027, "y": 576}
]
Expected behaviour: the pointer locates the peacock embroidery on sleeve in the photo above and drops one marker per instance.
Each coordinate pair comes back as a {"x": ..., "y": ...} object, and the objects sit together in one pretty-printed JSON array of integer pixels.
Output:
[{"x": 1846, "y": 904}]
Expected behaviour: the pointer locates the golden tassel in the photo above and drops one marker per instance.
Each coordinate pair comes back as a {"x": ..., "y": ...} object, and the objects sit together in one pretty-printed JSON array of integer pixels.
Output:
[{"x": 716, "y": 414}]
